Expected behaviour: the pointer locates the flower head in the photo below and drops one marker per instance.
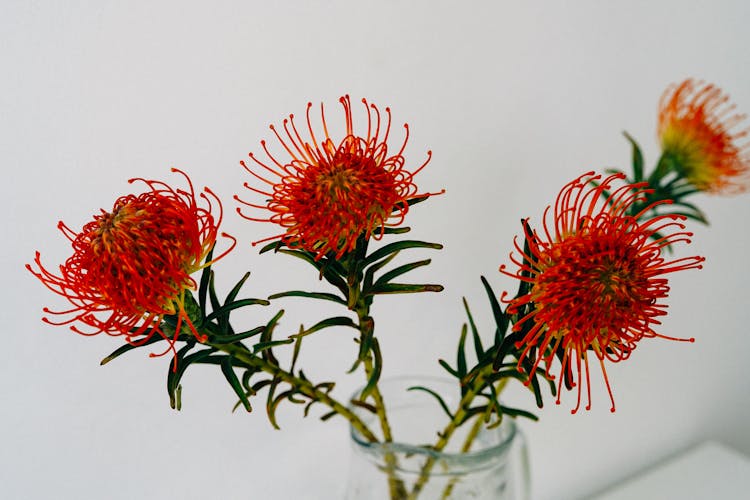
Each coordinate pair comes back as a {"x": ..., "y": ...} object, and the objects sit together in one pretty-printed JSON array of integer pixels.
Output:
[
  {"x": 131, "y": 267},
  {"x": 326, "y": 194},
  {"x": 596, "y": 279},
  {"x": 695, "y": 131}
]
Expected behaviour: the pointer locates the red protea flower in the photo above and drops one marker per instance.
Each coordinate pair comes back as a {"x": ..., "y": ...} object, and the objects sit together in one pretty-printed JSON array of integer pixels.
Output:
[
  {"x": 326, "y": 194},
  {"x": 131, "y": 267},
  {"x": 597, "y": 279},
  {"x": 695, "y": 130}
]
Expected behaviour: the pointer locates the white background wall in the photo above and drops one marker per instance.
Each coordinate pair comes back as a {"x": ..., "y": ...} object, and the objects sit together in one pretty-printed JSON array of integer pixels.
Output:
[{"x": 514, "y": 98}]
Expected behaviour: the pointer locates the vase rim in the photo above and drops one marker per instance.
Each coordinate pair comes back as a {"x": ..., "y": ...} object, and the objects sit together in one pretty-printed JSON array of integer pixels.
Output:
[{"x": 471, "y": 460}]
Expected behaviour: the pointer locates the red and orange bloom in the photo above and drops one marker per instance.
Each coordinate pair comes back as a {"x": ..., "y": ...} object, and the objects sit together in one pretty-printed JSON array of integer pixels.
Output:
[
  {"x": 696, "y": 123},
  {"x": 597, "y": 279},
  {"x": 132, "y": 267},
  {"x": 326, "y": 194}
]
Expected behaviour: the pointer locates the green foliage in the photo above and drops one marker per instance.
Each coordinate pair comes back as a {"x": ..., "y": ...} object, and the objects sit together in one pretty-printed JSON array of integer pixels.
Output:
[
  {"x": 358, "y": 277},
  {"x": 493, "y": 366},
  {"x": 668, "y": 183},
  {"x": 246, "y": 367}
]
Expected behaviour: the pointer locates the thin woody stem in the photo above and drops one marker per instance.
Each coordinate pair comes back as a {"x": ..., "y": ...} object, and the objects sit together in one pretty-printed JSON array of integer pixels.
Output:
[
  {"x": 449, "y": 429},
  {"x": 396, "y": 486},
  {"x": 479, "y": 422},
  {"x": 366, "y": 324},
  {"x": 304, "y": 386}
]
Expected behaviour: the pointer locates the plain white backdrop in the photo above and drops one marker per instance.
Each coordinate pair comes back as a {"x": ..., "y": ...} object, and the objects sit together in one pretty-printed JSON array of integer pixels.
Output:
[{"x": 514, "y": 98}]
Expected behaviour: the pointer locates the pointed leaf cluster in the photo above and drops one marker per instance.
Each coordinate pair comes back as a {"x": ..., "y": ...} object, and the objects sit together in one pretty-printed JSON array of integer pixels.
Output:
[
  {"x": 491, "y": 369},
  {"x": 666, "y": 182}
]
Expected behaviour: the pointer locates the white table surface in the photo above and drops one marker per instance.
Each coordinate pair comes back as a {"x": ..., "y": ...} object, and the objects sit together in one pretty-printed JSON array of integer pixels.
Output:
[{"x": 707, "y": 471}]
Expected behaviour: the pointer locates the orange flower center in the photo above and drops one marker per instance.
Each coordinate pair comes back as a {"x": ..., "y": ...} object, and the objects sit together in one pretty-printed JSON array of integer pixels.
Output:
[
  {"x": 341, "y": 198},
  {"x": 142, "y": 254},
  {"x": 598, "y": 282}
]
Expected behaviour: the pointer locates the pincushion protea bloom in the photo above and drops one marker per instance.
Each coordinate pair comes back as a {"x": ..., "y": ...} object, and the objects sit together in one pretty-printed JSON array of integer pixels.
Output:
[
  {"x": 597, "y": 279},
  {"x": 326, "y": 194},
  {"x": 695, "y": 130},
  {"x": 131, "y": 267}
]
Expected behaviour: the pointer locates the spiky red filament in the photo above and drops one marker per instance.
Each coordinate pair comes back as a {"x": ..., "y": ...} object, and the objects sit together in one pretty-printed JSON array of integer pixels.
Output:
[
  {"x": 597, "y": 279},
  {"x": 325, "y": 195},
  {"x": 697, "y": 130},
  {"x": 132, "y": 267}
]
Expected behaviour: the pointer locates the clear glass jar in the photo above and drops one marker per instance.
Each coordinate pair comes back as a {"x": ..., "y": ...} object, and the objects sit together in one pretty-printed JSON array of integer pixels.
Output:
[{"x": 494, "y": 468}]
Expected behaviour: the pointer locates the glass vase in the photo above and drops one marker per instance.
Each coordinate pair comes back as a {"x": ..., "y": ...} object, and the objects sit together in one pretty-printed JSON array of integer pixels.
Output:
[{"x": 408, "y": 468}]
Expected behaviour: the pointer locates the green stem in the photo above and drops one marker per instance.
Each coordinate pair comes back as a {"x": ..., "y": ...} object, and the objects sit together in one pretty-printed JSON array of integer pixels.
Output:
[
  {"x": 458, "y": 418},
  {"x": 367, "y": 326},
  {"x": 304, "y": 386},
  {"x": 479, "y": 422}
]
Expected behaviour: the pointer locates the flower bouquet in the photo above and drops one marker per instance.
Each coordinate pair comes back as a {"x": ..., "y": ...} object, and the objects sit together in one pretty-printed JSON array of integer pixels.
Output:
[{"x": 592, "y": 280}]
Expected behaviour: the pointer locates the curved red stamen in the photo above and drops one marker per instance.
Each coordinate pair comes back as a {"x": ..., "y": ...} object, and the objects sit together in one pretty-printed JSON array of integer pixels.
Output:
[{"x": 598, "y": 278}]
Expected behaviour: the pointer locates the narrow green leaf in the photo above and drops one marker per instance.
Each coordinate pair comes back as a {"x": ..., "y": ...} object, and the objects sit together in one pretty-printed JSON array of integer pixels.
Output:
[
  {"x": 398, "y": 246},
  {"x": 698, "y": 214},
  {"x": 246, "y": 376},
  {"x": 509, "y": 373},
  {"x": 367, "y": 330},
  {"x": 310, "y": 295},
  {"x": 270, "y": 402},
  {"x": 236, "y": 337},
  {"x": 274, "y": 245},
  {"x": 398, "y": 271},
  {"x": 501, "y": 319},
  {"x": 295, "y": 351},
  {"x": 203, "y": 286},
  {"x": 524, "y": 287},
  {"x": 265, "y": 337},
  {"x": 183, "y": 361},
  {"x": 177, "y": 401},
  {"x": 211, "y": 360},
  {"x": 517, "y": 412},
  {"x": 470, "y": 412},
  {"x": 392, "y": 230},
  {"x": 536, "y": 390},
  {"x": 223, "y": 311},
  {"x": 478, "y": 349},
  {"x": 228, "y": 371},
  {"x": 461, "y": 353},
  {"x": 327, "y": 323},
  {"x": 448, "y": 368},
  {"x": 274, "y": 406},
  {"x": 213, "y": 298},
  {"x": 637, "y": 159},
  {"x": 375, "y": 267},
  {"x": 495, "y": 399},
  {"x": 257, "y": 386},
  {"x": 403, "y": 288},
  {"x": 507, "y": 346},
  {"x": 128, "y": 347},
  {"x": 215, "y": 304},
  {"x": 434, "y": 394},
  {"x": 174, "y": 375},
  {"x": 236, "y": 289},
  {"x": 361, "y": 404},
  {"x": 377, "y": 367},
  {"x": 325, "y": 386},
  {"x": 328, "y": 415},
  {"x": 264, "y": 346},
  {"x": 326, "y": 267}
]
